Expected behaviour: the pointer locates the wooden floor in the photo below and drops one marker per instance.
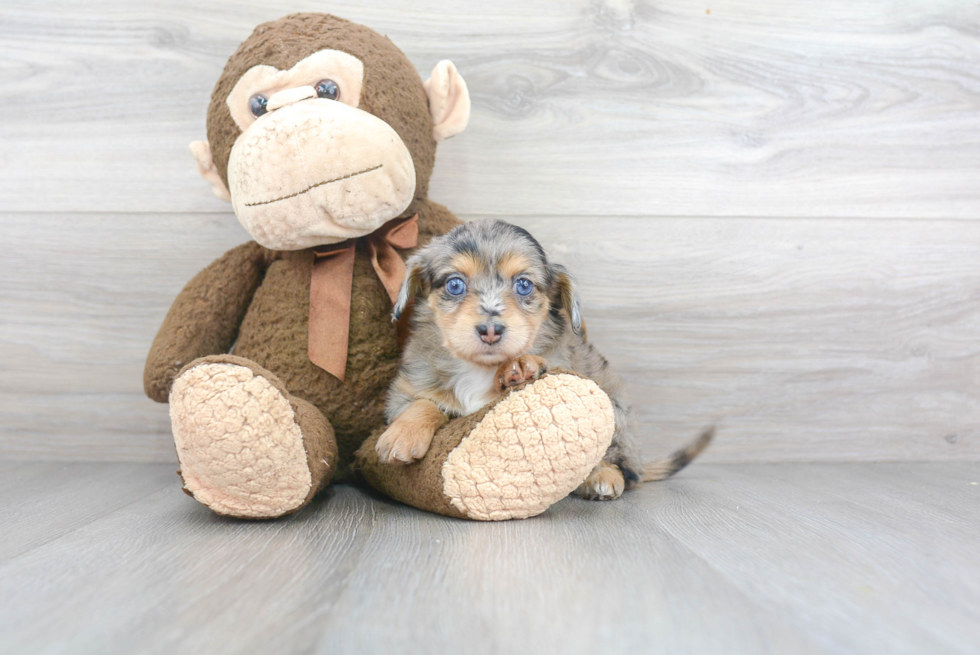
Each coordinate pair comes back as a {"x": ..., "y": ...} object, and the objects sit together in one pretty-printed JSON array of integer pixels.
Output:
[{"x": 780, "y": 558}]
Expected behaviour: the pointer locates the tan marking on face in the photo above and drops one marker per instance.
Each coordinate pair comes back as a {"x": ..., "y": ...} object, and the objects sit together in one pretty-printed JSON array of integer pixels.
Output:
[
  {"x": 458, "y": 321},
  {"x": 540, "y": 316},
  {"x": 458, "y": 327},
  {"x": 518, "y": 324},
  {"x": 525, "y": 325},
  {"x": 468, "y": 265},
  {"x": 513, "y": 264}
]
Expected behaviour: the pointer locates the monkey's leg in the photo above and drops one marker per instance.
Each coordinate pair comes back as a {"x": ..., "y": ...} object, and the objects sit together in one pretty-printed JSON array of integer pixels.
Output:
[
  {"x": 247, "y": 448},
  {"x": 513, "y": 459}
]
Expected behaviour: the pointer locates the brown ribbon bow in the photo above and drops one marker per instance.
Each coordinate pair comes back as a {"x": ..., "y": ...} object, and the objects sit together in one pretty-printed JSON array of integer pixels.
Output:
[{"x": 330, "y": 287}]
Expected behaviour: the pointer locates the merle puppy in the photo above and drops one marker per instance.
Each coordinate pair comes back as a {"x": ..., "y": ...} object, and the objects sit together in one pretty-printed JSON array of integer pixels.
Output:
[{"x": 491, "y": 312}]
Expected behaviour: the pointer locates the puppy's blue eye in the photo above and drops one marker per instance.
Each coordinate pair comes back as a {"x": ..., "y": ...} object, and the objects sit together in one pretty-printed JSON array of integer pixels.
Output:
[
  {"x": 455, "y": 286},
  {"x": 523, "y": 286}
]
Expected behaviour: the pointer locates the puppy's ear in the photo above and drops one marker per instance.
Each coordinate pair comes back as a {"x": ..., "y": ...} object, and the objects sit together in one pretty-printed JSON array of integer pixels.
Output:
[
  {"x": 410, "y": 287},
  {"x": 567, "y": 296}
]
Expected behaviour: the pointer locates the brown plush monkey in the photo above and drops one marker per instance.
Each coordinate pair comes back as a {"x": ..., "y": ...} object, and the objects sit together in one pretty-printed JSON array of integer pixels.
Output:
[{"x": 277, "y": 357}]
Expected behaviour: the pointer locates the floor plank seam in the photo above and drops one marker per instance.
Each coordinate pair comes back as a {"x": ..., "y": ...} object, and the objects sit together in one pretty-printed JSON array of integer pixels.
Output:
[{"x": 93, "y": 520}]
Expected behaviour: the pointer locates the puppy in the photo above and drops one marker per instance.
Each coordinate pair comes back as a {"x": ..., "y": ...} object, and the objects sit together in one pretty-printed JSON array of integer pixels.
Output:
[{"x": 491, "y": 312}]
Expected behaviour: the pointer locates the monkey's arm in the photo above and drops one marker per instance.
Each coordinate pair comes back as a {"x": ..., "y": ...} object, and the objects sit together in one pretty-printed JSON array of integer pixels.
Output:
[{"x": 205, "y": 317}]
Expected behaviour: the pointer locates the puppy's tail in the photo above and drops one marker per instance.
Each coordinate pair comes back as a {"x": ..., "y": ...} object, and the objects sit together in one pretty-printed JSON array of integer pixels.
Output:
[{"x": 664, "y": 468}]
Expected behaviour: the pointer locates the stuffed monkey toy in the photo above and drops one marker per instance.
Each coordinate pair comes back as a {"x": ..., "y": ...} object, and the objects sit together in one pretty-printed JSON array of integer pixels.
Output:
[{"x": 276, "y": 359}]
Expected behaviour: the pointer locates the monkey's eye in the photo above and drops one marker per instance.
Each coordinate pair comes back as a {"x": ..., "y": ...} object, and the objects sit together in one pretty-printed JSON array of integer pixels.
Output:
[
  {"x": 327, "y": 89},
  {"x": 455, "y": 286},
  {"x": 523, "y": 286},
  {"x": 257, "y": 104}
]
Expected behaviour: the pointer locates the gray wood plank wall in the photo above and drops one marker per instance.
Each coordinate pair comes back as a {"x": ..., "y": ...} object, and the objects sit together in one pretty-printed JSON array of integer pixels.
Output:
[{"x": 771, "y": 206}]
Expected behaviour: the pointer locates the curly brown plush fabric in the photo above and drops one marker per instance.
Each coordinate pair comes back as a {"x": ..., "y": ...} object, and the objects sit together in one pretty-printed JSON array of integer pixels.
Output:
[{"x": 205, "y": 318}]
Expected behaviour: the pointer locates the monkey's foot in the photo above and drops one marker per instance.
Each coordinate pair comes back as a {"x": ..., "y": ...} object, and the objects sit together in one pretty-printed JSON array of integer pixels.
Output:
[
  {"x": 511, "y": 460},
  {"x": 247, "y": 448}
]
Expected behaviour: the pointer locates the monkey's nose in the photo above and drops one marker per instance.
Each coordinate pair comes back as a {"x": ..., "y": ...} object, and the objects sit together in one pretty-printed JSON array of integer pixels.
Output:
[
  {"x": 490, "y": 332},
  {"x": 289, "y": 96}
]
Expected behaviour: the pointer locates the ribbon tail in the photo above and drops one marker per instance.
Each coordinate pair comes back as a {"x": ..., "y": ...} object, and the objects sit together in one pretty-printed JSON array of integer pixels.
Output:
[
  {"x": 389, "y": 266},
  {"x": 330, "y": 299},
  {"x": 387, "y": 263},
  {"x": 404, "y": 234}
]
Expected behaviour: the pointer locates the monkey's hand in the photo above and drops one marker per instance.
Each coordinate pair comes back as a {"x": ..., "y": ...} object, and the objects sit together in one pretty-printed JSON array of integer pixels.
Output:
[{"x": 519, "y": 370}]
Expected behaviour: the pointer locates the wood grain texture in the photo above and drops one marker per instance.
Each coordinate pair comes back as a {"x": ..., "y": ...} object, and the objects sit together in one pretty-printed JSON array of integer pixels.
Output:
[
  {"x": 843, "y": 558},
  {"x": 808, "y": 340},
  {"x": 584, "y": 107},
  {"x": 45, "y": 501}
]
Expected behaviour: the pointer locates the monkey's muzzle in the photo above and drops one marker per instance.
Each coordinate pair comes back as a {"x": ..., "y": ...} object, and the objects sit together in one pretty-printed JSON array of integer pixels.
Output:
[{"x": 316, "y": 172}]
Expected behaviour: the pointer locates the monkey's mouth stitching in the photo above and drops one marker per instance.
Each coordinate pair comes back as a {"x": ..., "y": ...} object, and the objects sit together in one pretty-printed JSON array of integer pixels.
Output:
[{"x": 299, "y": 193}]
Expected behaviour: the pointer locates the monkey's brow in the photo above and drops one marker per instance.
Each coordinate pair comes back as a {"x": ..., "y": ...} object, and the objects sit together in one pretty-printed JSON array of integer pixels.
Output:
[{"x": 299, "y": 193}]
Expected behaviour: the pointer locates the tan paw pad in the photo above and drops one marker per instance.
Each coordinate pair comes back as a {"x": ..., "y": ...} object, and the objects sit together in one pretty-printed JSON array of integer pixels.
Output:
[
  {"x": 531, "y": 450},
  {"x": 240, "y": 449}
]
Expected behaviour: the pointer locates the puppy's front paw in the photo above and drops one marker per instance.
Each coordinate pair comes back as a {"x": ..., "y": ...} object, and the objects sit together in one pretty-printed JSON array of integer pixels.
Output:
[
  {"x": 403, "y": 443},
  {"x": 605, "y": 482},
  {"x": 520, "y": 370}
]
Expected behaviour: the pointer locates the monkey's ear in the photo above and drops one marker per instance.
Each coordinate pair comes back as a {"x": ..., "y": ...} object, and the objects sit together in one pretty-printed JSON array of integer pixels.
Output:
[
  {"x": 205, "y": 166},
  {"x": 449, "y": 100},
  {"x": 410, "y": 287},
  {"x": 567, "y": 294}
]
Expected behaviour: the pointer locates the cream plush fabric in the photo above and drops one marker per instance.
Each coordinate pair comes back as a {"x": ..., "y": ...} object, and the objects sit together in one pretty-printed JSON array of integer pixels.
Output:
[
  {"x": 239, "y": 444},
  {"x": 531, "y": 450},
  {"x": 511, "y": 460}
]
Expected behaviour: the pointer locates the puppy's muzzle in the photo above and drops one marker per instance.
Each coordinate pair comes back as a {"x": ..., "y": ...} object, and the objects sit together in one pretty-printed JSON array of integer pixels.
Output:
[{"x": 490, "y": 332}]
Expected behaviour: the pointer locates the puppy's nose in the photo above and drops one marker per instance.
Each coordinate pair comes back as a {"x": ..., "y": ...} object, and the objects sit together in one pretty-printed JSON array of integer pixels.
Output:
[{"x": 490, "y": 332}]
